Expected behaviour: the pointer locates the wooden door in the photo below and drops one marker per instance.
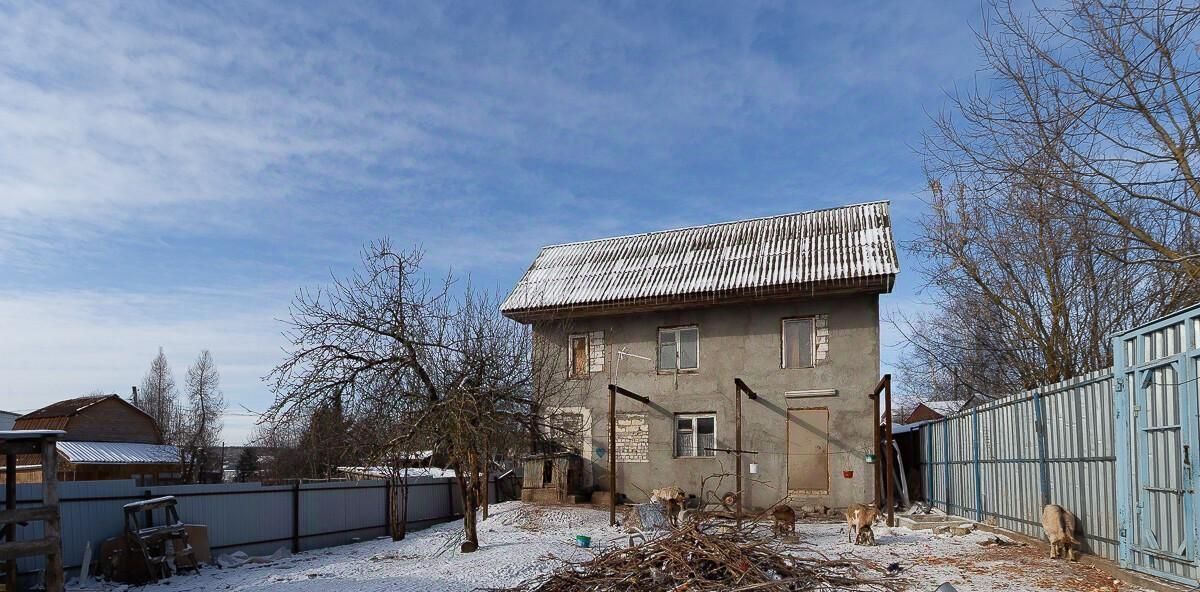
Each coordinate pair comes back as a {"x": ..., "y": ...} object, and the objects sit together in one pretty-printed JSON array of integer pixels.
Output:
[{"x": 808, "y": 450}]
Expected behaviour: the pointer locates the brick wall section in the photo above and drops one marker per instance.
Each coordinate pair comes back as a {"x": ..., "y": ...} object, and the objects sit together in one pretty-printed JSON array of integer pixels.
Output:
[
  {"x": 822, "y": 327},
  {"x": 633, "y": 438}
]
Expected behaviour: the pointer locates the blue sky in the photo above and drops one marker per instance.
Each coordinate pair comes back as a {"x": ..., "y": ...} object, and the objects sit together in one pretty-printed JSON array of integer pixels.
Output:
[{"x": 171, "y": 173}]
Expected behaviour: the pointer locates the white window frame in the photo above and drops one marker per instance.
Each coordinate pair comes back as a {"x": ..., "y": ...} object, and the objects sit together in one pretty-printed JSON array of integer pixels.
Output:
[
  {"x": 658, "y": 349},
  {"x": 812, "y": 342},
  {"x": 587, "y": 352},
  {"x": 695, "y": 452}
]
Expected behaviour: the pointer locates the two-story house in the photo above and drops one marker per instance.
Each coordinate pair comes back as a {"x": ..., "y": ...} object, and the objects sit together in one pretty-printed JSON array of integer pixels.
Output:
[{"x": 789, "y": 304}]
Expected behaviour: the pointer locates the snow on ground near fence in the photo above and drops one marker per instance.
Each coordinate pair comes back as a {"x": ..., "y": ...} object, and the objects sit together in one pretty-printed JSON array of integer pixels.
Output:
[{"x": 517, "y": 539}]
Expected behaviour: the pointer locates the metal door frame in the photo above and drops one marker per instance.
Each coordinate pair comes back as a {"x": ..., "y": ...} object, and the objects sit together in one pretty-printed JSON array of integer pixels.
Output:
[{"x": 1130, "y": 400}]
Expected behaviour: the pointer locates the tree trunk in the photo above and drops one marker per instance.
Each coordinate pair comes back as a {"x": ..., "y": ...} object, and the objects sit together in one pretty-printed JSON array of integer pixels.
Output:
[{"x": 467, "y": 487}]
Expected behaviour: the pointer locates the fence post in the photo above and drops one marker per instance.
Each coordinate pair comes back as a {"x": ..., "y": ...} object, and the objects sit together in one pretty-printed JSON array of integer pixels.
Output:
[
  {"x": 978, "y": 469},
  {"x": 946, "y": 459},
  {"x": 387, "y": 507},
  {"x": 1039, "y": 426},
  {"x": 296, "y": 517}
]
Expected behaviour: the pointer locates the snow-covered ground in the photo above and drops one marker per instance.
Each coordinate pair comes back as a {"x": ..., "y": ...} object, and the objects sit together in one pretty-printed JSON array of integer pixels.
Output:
[{"x": 518, "y": 539}]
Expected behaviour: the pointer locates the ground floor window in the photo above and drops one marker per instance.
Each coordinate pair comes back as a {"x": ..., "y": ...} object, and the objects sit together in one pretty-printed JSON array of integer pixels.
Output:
[{"x": 695, "y": 434}]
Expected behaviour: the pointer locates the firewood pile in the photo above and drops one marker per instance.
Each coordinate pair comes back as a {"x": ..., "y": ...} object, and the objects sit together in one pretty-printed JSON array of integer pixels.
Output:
[{"x": 698, "y": 557}]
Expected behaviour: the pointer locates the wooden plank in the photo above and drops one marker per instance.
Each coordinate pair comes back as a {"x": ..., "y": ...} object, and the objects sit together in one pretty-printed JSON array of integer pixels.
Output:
[
  {"x": 20, "y": 447},
  {"x": 28, "y": 514},
  {"x": 55, "y": 577},
  {"x": 42, "y": 546}
]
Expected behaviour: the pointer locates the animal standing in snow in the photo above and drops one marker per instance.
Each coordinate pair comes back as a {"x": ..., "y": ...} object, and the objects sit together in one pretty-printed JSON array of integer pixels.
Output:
[
  {"x": 859, "y": 519},
  {"x": 672, "y": 499},
  {"x": 785, "y": 520},
  {"x": 1059, "y": 525}
]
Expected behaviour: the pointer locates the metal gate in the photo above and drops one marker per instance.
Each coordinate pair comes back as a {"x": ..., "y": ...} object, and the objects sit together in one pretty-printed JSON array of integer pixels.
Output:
[{"x": 1157, "y": 368}]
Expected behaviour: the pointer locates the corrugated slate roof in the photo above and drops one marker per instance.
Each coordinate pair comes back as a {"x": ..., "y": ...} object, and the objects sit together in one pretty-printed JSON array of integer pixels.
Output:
[
  {"x": 123, "y": 453},
  {"x": 838, "y": 247}
]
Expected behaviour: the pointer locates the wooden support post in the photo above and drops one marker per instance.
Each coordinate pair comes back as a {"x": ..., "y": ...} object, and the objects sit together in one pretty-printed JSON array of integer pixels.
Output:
[
  {"x": 55, "y": 578},
  {"x": 891, "y": 452},
  {"x": 612, "y": 455},
  {"x": 613, "y": 391},
  {"x": 877, "y": 469},
  {"x": 10, "y": 504},
  {"x": 737, "y": 445},
  {"x": 739, "y": 388}
]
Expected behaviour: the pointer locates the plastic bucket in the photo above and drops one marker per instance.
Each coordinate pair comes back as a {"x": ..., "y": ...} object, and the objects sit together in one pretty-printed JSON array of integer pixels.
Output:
[{"x": 583, "y": 541}]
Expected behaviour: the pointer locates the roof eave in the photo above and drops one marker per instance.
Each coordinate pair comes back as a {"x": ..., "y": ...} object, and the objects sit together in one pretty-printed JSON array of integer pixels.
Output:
[{"x": 879, "y": 284}]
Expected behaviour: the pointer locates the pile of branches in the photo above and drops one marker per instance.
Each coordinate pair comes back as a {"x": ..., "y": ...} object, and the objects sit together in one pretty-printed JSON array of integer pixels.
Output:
[{"x": 697, "y": 558}]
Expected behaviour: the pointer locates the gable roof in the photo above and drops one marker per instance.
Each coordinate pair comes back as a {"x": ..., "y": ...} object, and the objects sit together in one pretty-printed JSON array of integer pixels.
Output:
[
  {"x": 67, "y": 408},
  {"x": 945, "y": 408},
  {"x": 848, "y": 248}
]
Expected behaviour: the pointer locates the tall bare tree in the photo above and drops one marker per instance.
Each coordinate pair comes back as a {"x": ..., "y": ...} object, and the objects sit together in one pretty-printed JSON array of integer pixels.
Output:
[
  {"x": 206, "y": 404},
  {"x": 1063, "y": 204},
  {"x": 455, "y": 375},
  {"x": 159, "y": 397}
]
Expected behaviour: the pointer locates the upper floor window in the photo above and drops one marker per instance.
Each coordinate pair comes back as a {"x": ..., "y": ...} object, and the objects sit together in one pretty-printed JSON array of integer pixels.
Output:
[
  {"x": 586, "y": 353},
  {"x": 679, "y": 348},
  {"x": 798, "y": 343}
]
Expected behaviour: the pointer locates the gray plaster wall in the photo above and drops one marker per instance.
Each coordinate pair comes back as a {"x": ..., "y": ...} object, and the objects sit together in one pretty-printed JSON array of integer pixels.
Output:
[{"x": 743, "y": 341}]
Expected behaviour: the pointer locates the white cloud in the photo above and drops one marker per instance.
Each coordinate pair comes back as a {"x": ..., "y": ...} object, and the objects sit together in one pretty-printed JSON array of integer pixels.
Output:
[{"x": 60, "y": 345}]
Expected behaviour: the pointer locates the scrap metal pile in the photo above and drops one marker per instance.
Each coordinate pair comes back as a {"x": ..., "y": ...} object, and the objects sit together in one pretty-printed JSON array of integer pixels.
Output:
[{"x": 701, "y": 556}]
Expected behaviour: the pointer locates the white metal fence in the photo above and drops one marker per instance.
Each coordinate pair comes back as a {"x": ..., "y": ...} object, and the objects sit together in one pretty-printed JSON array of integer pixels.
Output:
[
  {"x": 248, "y": 517},
  {"x": 1008, "y": 458}
]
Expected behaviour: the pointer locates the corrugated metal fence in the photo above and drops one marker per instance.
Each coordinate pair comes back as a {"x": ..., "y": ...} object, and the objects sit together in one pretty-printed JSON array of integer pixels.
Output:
[
  {"x": 248, "y": 517},
  {"x": 1006, "y": 459}
]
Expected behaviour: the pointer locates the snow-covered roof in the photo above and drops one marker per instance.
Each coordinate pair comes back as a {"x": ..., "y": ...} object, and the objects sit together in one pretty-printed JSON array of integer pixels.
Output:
[
  {"x": 385, "y": 472},
  {"x": 124, "y": 453},
  {"x": 849, "y": 247},
  {"x": 945, "y": 408}
]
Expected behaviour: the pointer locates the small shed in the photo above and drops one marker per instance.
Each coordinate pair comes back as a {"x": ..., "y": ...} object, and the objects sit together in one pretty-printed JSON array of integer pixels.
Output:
[{"x": 552, "y": 478}]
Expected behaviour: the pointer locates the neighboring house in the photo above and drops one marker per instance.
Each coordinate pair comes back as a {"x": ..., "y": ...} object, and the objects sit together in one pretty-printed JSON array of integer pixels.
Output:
[
  {"x": 932, "y": 410},
  {"x": 106, "y": 438},
  {"x": 789, "y": 304},
  {"x": 6, "y": 420}
]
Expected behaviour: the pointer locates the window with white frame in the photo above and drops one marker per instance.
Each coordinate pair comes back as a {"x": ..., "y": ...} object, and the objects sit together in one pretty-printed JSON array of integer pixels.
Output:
[
  {"x": 679, "y": 349},
  {"x": 695, "y": 434},
  {"x": 799, "y": 338}
]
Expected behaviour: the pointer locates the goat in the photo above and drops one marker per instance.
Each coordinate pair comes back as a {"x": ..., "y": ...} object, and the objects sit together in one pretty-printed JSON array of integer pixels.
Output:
[
  {"x": 785, "y": 520},
  {"x": 672, "y": 499},
  {"x": 1059, "y": 525},
  {"x": 858, "y": 518}
]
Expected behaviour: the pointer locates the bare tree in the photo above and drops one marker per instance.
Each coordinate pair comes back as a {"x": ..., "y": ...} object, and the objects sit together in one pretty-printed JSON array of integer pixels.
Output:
[
  {"x": 159, "y": 397},
  {"x": 202, "y": 430},
  {"x": 456, "y": 376},
  {"x": 1062, "y": 203}
]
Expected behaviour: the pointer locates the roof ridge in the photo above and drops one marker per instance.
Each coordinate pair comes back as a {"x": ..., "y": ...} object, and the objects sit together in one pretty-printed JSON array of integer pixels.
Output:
[{"x": 715, "y": 224}]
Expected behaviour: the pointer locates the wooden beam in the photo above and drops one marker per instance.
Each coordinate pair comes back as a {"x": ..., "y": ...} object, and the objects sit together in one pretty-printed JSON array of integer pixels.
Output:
[
  {"x": 10, "y": 530},
  {"x": 28, "y": 514},
  {"x": 55, "y": 577},
  {"x": 20, "y": 447},
  {"x": 43, "y": 546}
]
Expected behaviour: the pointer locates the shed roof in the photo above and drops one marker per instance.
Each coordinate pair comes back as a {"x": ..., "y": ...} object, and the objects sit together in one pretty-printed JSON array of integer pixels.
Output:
[
  {"x": 844, "y": 248},
  {"x": 122, "y": 453}
]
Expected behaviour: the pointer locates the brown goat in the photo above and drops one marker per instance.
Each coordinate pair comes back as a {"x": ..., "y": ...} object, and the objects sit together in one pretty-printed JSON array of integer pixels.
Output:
[
  {"x": 859, "y": 519},
  {"x": 785, "y": 520}
]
